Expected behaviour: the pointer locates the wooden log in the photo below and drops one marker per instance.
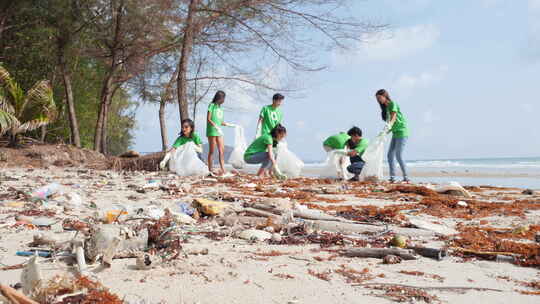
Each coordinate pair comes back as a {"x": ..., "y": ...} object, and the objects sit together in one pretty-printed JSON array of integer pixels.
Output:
[
  {"x": 111, "y": 251},
  {"x": 380, "y": 253},
  {"x": 348, "y": 228},
  {"x": 308, "y": 214},
  {"x": 257, "y": 212},
  {"x": 14, "y": 296},
  {"x": 437, "y": 254},
  {"x": 81, "y": 262}
]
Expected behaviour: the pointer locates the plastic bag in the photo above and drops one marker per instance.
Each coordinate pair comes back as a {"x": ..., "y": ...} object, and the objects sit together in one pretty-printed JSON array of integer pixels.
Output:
[
  {"x": 332, "y": 168},
  {"x": 373, "y": 156},
  {"x": 288, "y": 162},
  {"x": 186, "y": 162},
  {"x": 237, "y": 155}
]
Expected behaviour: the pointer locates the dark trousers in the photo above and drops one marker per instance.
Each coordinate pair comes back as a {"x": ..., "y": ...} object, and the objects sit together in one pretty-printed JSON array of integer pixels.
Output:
[{"x": 356, "y": 167}]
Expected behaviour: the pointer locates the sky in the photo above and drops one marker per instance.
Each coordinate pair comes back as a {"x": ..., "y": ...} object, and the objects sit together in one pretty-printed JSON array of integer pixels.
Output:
[{"x": 464, "y": 72}]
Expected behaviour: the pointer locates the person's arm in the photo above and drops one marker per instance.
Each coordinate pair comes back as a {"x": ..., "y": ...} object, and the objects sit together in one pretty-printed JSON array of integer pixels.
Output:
[
  {"x": 259, "y": 127},
  {"x": 352, "y": 153},
  {"x": 392, "y": 120},
  {"x": 271, "y": 155},
  {"x": 209, "y": 119}
]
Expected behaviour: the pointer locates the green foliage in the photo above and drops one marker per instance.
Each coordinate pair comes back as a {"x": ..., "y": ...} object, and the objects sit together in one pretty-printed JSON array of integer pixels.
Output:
[{"x": 20, "y": 112}]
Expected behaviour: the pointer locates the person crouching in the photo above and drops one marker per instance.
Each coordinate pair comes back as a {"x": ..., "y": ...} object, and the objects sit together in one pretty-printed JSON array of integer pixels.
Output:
[
  {"x": 357, "y": 145},
  {"x": 261, "y": 151}
]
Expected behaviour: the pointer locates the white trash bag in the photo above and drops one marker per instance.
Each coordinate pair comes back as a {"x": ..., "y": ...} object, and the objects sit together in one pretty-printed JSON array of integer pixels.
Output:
[
  {"x": 287, "y": 162},
  {"x": 332, "y": 167},
  {"x": 237, "y": 155},
  {"x": 374, "y": 156},
  {"x": 185, "y": 161}
]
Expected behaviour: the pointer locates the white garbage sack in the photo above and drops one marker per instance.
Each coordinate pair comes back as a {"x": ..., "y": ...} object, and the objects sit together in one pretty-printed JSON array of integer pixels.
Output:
[
  {"x": 451, "y": 187},
  {"x": 332, "y": 168},
  {"x": 185, "y": 161},
  {"x": 374, "y": 156},
  {"x": 237, "y": 155},
  {"x": 288, "y": 163}
]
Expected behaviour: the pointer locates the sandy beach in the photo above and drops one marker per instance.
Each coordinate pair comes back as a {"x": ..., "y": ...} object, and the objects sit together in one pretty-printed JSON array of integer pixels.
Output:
[{"x": 215, "y": 265}]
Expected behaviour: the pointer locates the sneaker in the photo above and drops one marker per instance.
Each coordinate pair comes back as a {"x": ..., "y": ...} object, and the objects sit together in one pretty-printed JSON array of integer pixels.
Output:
[
  {"x": 406, "y": 180},
  {"x": 391, "y": 180},
  {"x": 354, "y": 179}
]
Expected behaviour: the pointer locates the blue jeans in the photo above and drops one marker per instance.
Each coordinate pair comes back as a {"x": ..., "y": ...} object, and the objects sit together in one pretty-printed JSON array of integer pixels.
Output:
[
  {"x": 395, "y": 151},
  {"x": 356, "y": 167},
  {"x": 260, "y": 158}
]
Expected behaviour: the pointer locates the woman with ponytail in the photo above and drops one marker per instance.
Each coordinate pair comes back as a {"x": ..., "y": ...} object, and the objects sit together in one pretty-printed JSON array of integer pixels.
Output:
[{"x": 397, "y": 124}]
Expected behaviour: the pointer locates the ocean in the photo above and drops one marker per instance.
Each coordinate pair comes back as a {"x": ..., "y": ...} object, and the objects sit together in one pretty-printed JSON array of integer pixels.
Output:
[{"x": 520, "y": 172}]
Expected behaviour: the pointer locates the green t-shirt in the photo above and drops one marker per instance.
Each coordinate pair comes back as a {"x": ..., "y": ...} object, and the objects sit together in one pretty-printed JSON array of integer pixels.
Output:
[
  {"x": 216, "y": 113},
  {"x": 181, "y": 140},
  {"x": 399, "y": 129},
  {"x": 259, "y": 145},
  {"x": 337, "y": 141},
  {"x": 361, "y": 146},
  {"x": 271, "y": 118}
]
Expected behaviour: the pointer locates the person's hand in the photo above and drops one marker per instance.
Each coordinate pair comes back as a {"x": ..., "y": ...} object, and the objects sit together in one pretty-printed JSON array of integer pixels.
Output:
[
  {"x": 278, "y": 174},
  {"x": 165, "y": 160},
  {"x": 230, "y": 125},
  {"x": 341, "y": 152},
  {"x": 387, "y": 128},
  {"x": 198, "y": 148}
]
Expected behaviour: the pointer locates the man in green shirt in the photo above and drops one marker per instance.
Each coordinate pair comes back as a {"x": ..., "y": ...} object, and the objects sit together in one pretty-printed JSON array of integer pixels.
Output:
[
  {"x": 336, "y": 142},
  {"x": 270, "y": 116},
  {"x": 358, "y": 145}
]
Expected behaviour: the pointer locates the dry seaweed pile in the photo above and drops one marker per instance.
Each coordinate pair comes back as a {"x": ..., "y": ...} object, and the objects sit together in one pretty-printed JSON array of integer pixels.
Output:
[
  {"x": 81, "y": 290},
  {"x": 400, "y": 293},
  {"x": 488, "y": 242},
  {"x": 144, "y": 163}
]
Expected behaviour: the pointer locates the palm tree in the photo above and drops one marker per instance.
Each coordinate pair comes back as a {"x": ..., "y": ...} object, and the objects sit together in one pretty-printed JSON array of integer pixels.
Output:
[{"x": 20, "y": 112}]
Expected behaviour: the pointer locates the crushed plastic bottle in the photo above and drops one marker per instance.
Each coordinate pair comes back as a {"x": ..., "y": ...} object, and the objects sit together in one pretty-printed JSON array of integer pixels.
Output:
[{"x": 45, "y": 192}]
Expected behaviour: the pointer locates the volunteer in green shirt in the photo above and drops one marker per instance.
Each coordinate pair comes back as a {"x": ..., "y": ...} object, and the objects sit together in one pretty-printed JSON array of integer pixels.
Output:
[
  {"x": 270, "y": 116},
  {"x": 261, "y": 151},
  {"x": 214, "y": 121},
  {"x": 358, "y": 145},
  {"x": 336, "y": 142},
  {"x": 187, "y": 134},
  {"x": 397, "y": 124}
]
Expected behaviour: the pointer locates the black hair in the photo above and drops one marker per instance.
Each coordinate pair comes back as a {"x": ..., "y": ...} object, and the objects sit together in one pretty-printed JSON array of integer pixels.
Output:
[
  {"x": 220, "y": 96},
  {"x": 383, "y": 92},
  {"x": 278, "y": 96},
  {"x": 191, "y": 124},
  {"x": 355, "y": 131},
  {"x": 277, "y": 130}
]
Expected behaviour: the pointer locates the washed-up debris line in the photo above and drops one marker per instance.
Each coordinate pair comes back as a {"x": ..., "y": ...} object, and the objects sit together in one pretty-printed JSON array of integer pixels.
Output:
[{"x": 338, "y": 221}]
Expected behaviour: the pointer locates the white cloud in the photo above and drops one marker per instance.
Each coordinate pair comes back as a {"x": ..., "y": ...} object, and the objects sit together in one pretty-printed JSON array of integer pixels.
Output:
[
  {"x": 406, "y": 83},
  {"x": 393, "y": 44}
]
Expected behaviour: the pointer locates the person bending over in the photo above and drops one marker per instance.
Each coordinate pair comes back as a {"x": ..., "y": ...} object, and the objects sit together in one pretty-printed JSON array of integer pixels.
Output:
[
  {"x": 357, "y": 145},
  {"x": 261, "y": 151},
  {"x": 187, "y": 134}
]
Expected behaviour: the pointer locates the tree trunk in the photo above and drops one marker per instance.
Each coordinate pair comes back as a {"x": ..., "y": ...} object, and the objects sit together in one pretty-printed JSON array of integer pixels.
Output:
[
  {"x": 163, "y": 125},
  {"x": 187, "y": 47},
  {"x": 104, "y": 146},
  {"x": 43, "y": 133},
  {"x": 73, "y": 124},
  {"x": 104, "y": 101}
]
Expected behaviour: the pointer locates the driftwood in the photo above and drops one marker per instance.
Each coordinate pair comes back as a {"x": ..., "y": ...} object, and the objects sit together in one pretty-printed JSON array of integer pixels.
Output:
[
  {"x": 13, "y": 267},
  {"x": 308, "y": 214},
  {"x": 348, "y": 228},
  {"x": 437, "y": 254},
  {"x": 233, "y": 220},
  {"x": 111, "y": 251},
  {"x": 380, "y": 253},
  {"x": 81, "y": 262},
  {"x": 14, "y": 296},
  {"x": 257, "y": 212}
]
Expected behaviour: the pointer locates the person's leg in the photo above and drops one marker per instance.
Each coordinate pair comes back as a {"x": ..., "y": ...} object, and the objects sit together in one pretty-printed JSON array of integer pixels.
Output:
[
  {"x": 211, "y": 148},
  {"x": 400, "y": 146},
  {"x": 260, "y": 158},
  {"x": 356, "y": 168},
  {"x": 221, "y": 150},
  {"x": 391, "y": 155}
]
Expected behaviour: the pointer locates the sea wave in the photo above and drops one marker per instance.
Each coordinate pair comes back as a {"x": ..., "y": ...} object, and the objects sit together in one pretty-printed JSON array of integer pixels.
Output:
[{"x": 473, "y": 164}]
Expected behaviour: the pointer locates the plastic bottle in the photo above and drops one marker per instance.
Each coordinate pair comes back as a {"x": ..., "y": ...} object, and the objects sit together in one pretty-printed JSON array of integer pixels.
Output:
[{"x": 46, "y": 191}]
